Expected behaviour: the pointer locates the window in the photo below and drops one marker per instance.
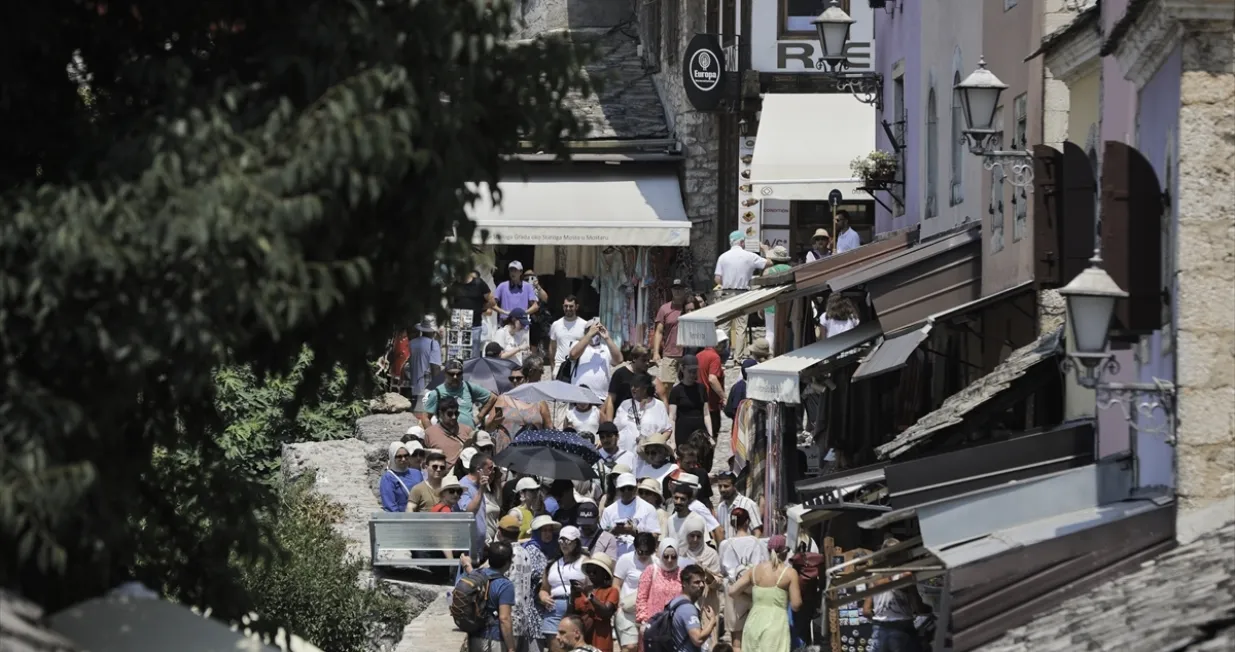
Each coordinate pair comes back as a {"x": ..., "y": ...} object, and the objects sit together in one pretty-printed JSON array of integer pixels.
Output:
[
  {"x": 995, "y": 209},
  {"x": 957, "y": 142},
  {"x": 932, "y": 155},
  {"x": 1020, "y": 138},
  {"x": 899, "y": 121},
  {"x": 651, "y": 32},
  {"x": 795, "y": 16}
]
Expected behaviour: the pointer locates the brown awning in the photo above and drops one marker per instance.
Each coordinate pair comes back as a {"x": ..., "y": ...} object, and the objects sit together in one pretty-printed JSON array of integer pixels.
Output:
[
  {"x": 923, "y": 280},
  {"x": 810, "y": 278}
]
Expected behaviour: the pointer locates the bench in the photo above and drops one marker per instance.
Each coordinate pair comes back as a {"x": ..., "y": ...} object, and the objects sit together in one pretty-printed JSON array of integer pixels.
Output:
[{"x": 395, "y": 536}]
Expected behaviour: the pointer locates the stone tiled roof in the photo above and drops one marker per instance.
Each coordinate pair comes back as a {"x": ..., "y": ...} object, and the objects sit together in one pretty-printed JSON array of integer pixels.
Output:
[
  {"x": 1182, "y": 600},
  {"x": 955, "y": 407},
  {"x": 627, "y": 105}
]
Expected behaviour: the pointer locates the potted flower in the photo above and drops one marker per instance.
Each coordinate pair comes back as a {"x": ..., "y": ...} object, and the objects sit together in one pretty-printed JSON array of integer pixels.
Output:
[{"x": 875, "y": 169}]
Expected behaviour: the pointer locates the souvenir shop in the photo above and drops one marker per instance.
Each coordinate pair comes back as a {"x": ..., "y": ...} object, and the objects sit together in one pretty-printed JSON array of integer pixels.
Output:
[{"x": 611, "y": 235}]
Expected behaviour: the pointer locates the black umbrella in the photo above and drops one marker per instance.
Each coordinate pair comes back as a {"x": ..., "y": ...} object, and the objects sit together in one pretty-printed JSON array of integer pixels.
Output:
[
  {"x": 492, "y": 374},
  {"x": 544, "y": 462},
  {"x": 566, "y": 442}
]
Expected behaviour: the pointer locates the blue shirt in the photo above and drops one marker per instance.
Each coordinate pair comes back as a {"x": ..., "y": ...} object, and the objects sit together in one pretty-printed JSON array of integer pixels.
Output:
[
  {"x": 685, "y": 618},
  {"x": 501, "y": 592},
  {"x": 425, "y": 351},
  {"x": 395, "y": 487},
  {"x": 510, "y": 298},
  {"x": 470, "y": 489}
]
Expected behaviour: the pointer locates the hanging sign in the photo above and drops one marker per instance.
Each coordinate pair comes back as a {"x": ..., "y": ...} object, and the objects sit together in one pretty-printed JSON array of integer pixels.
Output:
[{"x": 703, "y": 67}]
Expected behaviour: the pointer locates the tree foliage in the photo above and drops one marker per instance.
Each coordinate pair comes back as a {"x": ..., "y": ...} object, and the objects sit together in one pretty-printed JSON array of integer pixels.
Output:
[{"x": 247, "y": 179}]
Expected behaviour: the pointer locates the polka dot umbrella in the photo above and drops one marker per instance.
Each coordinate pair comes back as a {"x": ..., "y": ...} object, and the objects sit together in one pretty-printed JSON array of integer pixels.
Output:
[{"x": 567, "y": 442}]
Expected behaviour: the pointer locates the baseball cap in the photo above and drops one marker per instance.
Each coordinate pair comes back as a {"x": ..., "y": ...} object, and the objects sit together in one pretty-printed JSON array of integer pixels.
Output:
[
  {"x": 721, "y": 336},
  {"x": 527, "y": 484},
  {"x": 483, "y": 439},
  {"x": 466, "y": 455},
  {"x": 619, "y": 469},
  {"x": 587, "y": 514},
  {"x": 607, "y": 427},
  {"x": 677, "y": 283},
  {"x": 735, "y": 236},
  {"x": 509, "y": 522},
  {"x": 514, "y": 264},
  {"x": 571, "y": 533},
  {"x": 415, "y": 431},
  {"x": 626, "y": 480},
  {"x": 520, "y": 314}
]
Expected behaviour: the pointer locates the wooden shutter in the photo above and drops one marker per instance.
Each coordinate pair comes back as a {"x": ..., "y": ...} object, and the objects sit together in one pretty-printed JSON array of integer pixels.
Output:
[
  {"x": 1076, "y": 229},
  {"x": 1132, "y": 208},
  {"x": 1047, "y": 211}
]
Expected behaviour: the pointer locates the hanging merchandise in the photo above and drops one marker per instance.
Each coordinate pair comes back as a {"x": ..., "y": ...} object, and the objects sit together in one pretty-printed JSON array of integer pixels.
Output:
[{"x": 459, "y": 343}]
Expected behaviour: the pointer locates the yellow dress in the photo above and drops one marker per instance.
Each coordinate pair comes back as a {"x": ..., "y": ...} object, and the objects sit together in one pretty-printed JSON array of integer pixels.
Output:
[{"x": 767, "y": 624}]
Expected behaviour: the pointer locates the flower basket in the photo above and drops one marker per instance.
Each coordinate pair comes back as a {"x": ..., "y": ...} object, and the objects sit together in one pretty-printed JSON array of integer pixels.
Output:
[{"x": 875, "y": 169}]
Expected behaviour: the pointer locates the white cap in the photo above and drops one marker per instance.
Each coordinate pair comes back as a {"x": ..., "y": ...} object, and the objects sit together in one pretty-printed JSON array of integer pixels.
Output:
[
  {"x": 570, "y": 532},
  {"x": 544, "y": 520},
  {"x": 466, "y": 455},
  {"x": 721, "y": 336},
  {"x": 514, "y": 264},
  {"x": 626, "y": 480},
  {"x": 483, "y": 438},
  {"x": 416, "y": 431},
  {"x": 688, "y": 479},
  {"x": 413, "y": 446},
  {"x": 527, "y": 484}
]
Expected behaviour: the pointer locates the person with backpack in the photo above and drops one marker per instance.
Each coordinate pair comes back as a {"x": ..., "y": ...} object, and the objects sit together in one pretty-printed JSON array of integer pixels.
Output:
[
  {"x": 682, "y": 627},
  {"x": 483, "y": 601},
  {"x": 658, "y": 586},
  {"x": 474, "y": 401}
]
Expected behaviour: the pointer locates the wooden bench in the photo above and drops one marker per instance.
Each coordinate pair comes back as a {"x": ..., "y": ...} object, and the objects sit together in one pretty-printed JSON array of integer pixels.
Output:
[{"x": 394, "y": 537}]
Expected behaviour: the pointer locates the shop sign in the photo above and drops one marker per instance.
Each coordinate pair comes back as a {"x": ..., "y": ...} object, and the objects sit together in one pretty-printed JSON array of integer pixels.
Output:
[
  {"x": 802, "y": 54},
  {"x": 703, "y": 67},
  {"x": 748, "y": 205}
]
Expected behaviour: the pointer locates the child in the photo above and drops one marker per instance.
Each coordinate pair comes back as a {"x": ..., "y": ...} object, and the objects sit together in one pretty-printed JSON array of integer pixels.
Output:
[{"x": 596, "y": 600}]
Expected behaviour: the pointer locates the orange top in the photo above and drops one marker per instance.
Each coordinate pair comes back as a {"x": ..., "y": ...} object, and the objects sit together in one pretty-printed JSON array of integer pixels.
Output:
[{"x": 597, "y": 631}]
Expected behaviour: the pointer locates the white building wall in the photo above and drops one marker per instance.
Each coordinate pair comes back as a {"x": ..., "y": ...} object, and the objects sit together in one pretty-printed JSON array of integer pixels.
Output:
[{"x": 768, "y": 53}]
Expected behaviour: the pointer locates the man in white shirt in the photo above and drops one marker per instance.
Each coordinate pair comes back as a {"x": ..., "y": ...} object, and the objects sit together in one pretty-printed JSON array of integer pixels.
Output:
[
  {"x": 565, "y": 332},
  {"x": 846, "y": 238},
  {"x": 594, "y": 356},
  {"x": 730, "y": 499},
  {"x": 609, "y": 451},
  {"x": 684, "y": 504},
  {"x": 734, "y": 269},
  {"x": 629, "y": 515}
]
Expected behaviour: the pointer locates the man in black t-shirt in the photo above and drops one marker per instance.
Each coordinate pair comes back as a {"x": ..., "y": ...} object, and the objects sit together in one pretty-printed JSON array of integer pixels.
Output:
[
  {"x": 473, "y": 294},
  {"x": 619, "y": 384}
]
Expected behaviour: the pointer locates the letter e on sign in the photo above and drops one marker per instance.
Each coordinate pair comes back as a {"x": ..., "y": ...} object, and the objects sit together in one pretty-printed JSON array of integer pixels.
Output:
[{"x": 703, "y": 70}]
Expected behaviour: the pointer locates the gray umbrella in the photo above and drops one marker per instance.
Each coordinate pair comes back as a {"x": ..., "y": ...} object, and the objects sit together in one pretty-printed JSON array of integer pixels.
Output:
[{"x": 554, "y": 391}]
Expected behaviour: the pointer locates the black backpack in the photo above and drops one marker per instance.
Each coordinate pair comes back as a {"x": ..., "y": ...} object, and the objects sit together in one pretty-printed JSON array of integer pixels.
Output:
[
  {"x": 659, "y": 635},
  {"x": 469, "y": 602}
]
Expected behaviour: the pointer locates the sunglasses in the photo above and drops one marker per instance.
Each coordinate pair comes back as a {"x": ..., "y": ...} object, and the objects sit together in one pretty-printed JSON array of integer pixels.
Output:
[
  {"x": 438, "y": 467},
  {"x": 451, "y": 413},
  {"x": 452, "y": 491},
  {"x": 644, "y": 551},
  {"x": 455, "y": 374},
  {"x": 516, "y": 379},
  {"x": 402, "y": 457},
  {"x": 669, "y": 556}
]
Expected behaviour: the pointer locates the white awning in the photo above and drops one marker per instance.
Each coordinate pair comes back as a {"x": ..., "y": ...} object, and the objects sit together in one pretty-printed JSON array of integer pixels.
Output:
[
  {"x": 780, "y": 378},
  {"x": 805, "y": 144},
  {"x": 698, "y": 328},
  {"x": 618, "y": 207}
]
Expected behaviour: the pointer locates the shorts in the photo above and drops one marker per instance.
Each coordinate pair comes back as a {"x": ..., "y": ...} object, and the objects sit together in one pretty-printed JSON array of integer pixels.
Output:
[
  {"x": 551, "y": 619},
  {"x": 625, "y": 627},
  {"x": 668, "y": 370}
]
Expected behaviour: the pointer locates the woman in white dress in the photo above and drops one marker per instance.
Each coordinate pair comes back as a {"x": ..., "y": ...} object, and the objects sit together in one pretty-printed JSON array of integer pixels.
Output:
[
  {"x": 583, "y": 417},
  {"x": 839, "y": 316},
  {"x": 640, "y": 415}
]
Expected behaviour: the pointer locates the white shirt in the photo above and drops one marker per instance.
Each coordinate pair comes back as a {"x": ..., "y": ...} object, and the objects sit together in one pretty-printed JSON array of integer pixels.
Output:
[
  {"x": 628, "y": 570},
  {"x": 736, "y": 267},
  {"x": 511, "y": 341},
  {"x": 812, "y": 256},
  {"x": 739, "y": 554},
  {"x": 620, "y": 457},
  {"x": 638, "y": 510},
  {"x": 724, "y": 510},
  {"x": 652, "y": 418},
  {"x": 593, "y": 369},
  {"x": 583, "y": 421},
  {"x": 847, "y": 241},
  {"x": 835, "y": 327},
  {"x": 565, "y": 333},
  {"x": 645, "y": 470},
  {"x": 560, "y": 574}
]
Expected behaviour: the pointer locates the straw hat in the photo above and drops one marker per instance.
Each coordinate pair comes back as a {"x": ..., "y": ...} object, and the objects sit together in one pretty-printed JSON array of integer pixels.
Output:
[
  {"x": 760, "y": 349},
  {"x": 544, "y": 520},
  {"x": 656, "y": 439},
  {"x": 600, "y": 560},
  {"x": 779, "y": 254},
  {"x": 650, "y": 484},
  {"x": 619, "y": 469},
  {"x": 821, "y": 233},
  {"x": 450, "y": 482}
]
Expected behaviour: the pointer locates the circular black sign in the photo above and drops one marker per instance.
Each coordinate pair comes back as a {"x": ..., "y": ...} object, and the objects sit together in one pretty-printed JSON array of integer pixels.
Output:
[{"x": 703, "y": 70}]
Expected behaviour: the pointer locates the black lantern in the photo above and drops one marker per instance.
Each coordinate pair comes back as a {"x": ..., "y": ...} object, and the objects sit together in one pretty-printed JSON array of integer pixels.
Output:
[{"x": 833, "y": 28}]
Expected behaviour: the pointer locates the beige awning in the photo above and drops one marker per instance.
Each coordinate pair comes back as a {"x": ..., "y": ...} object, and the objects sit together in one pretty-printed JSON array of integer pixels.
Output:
[
  {"x": 698, "y": 328},
  {"x": 806, "y": 142},
  {"x": 780, "y": 378}
]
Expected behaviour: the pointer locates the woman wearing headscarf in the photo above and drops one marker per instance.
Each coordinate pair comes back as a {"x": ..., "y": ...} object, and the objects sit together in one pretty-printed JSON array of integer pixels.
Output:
[
  {"x": 659, "y": 584},
  {"x": 402, "y": 473},
  {"x": 544, "y": 536},
  {"x": 773, "y": 585},
  {"x": 705, "y": 557}
]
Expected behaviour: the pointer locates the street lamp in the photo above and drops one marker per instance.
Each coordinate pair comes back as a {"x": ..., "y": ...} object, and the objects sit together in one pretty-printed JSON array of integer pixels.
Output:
[
  {"x": 832, "y": 27},
  {"x": 1090, "y": 301},
  {"x": 979, "y": 95}
]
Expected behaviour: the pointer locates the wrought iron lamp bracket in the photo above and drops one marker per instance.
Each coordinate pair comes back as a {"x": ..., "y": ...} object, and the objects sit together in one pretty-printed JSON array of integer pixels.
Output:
[
  {"x": 866, "y": 87},
  {"x": 1016, "y": 166},
  {"x": 1148, "y": 407}
]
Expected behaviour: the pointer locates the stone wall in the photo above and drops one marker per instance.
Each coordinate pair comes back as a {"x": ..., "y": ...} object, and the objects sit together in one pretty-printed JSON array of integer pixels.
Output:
[
  {"x": 1206, "y": 267},
  {"x": 699, "y": 134},
  {"x": 540, "y": 16}
]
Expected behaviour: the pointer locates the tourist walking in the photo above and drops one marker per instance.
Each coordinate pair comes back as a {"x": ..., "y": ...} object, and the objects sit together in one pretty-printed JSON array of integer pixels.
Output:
[
  {"x": 628, "y": 515},
  {"x": 561, "y": 581},
  {"x": 498, "y": 633},
  {"x": 402, "y": 473},
  {"x": 626, "y": 572},
  {"x": 448, "y": 434},
  {"x": 424, "y": 361},
  {"x": 688, "y": 403},
  {"x": 773, "y": 585},
  {"x": 570, "y": 636},
  {"x": 639, "y": 364},
  {"x": 594, "y": 356},
  {"x": 712, "y": 374},
  {"x": 642, "y": 415},
  {"x": 820, "y": 248},
  {"x": 739, "y": 553},
  {"x": 730, "y": 500},
  {"x": 892, "y": 613},
  {"x": 473, "y": 401},
  {"x": 473, "y": 294},
  {"x": 666, "y": 352},
  {"x": 514, "y": 336},
  {"x": 526, "y": 566},
  {"x": 596, "y": 601},
  {"x": 692, "y": 627},
  {"x": 734, "y": 270},
  {"x": 659, "y": 584},
  {"x": 425, "y": 495},
  {"x": 839, "y": 316},
  {"x": 595, "y": 540},
  {"x": 563, "y": 334},
  {"x": 514, "y": 294}
]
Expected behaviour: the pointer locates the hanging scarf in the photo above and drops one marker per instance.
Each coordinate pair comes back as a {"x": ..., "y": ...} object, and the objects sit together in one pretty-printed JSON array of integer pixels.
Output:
[{"x": 742, "y": 434}]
